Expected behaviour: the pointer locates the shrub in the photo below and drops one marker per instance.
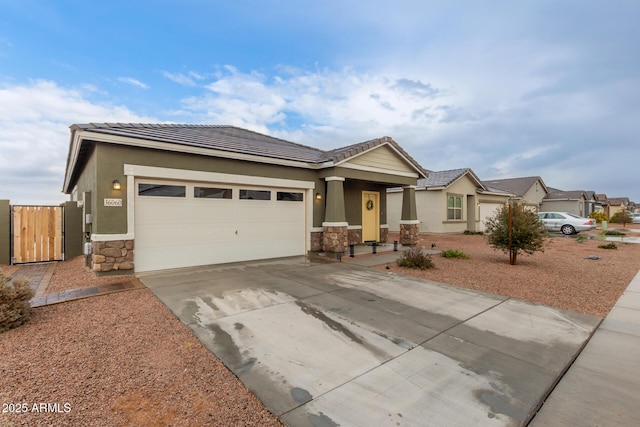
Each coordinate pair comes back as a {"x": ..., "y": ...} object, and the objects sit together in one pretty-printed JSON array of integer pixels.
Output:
[
  {"x": 620, "y": 218},
  {"x": 454, "y": 253},
  {"x": 415, "y": 258},
  {"x": 580, "y": 238},
  {"x": 598, "y": 216},
  {"x": 14, "y": 301},
  {"x": 608, "y": 246},
  {"x": 614, "y": 233}
]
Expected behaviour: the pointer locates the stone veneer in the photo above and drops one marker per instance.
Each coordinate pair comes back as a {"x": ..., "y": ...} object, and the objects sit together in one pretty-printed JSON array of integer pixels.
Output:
[
  {"x": 316, "y": 241},
  {"x": 409, "y": 234},
  {"x": 384, "y": 234},
  {"x": 355, "y": 236},
  {"x": 335, "y": 239},
  {"x": 112, "y": 255}
]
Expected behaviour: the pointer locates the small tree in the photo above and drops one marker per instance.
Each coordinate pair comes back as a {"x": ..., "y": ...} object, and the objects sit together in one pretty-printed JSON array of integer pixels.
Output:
[
  {"x": 621, "y": 217},
  {"x": 514, "y": 229}
]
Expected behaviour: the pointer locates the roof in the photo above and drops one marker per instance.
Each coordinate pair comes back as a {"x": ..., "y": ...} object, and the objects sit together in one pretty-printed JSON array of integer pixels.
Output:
[
  {"x": 618, "y": 201},
  {"x": 219, "y": 139},
  {"x": 441, "y": 179},
  {"x": 517, "y": 186},
  {"x": 555, "y": 194}
]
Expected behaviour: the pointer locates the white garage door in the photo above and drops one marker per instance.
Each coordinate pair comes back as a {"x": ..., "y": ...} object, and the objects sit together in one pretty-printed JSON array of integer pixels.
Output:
[
  {"x": 180, "y": 224},
  {"x": 488, "y": 210}
]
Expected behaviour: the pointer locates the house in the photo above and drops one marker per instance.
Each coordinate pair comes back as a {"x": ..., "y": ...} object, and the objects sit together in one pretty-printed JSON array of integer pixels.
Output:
[
  {"x": 448, "y": 202},
  {"x": 160, "y": 196},
  {"x": 564, "y": 201},
  {"x": 591, "y": 204},
  {"x": 617, "y": 204},
  {"x": 528, "y": 191},
  {"x": 603, "y": 201}
]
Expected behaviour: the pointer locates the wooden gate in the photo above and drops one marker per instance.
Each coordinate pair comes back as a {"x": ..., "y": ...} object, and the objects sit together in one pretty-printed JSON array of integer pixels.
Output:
[{"x": 37, "y": 233}]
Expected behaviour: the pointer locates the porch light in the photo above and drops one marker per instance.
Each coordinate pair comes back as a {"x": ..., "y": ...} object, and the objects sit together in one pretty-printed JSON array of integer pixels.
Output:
[
  {"x": 318, "y": 196},
  {"x": 116, "y": 184}
]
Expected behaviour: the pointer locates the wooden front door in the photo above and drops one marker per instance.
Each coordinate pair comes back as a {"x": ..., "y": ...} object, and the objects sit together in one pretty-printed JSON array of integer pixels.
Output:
[{"x": 370, "y": 216}]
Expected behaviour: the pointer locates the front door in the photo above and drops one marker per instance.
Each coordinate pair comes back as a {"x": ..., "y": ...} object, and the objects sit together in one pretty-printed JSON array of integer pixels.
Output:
[{"x": 370, "y": 216}]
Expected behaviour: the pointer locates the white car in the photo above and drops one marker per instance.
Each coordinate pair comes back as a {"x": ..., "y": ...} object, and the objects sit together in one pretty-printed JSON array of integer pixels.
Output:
[
  {"x": 635, "y": 218},
  {"x": 566, "y": 222}
]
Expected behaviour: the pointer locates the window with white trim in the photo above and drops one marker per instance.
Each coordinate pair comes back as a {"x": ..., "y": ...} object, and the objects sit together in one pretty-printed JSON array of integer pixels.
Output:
[{"x": 454, "y": 207}]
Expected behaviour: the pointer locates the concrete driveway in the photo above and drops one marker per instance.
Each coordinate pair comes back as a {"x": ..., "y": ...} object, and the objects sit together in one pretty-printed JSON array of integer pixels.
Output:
[{"x": 341, "y": 344}]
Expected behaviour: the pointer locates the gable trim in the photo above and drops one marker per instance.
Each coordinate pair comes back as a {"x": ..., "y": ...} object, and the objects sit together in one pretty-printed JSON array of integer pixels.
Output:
[{"x": 344, "y": 162}]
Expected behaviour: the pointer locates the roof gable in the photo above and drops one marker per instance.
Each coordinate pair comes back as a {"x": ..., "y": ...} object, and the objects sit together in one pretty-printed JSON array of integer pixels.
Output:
[
  {"x": 444, "y": 179},
  {"x": 517, "y": 186}
]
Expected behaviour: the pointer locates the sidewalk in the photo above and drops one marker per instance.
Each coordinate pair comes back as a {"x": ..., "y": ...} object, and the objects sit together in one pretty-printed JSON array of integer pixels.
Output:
[{"x": 603, "y": 384}]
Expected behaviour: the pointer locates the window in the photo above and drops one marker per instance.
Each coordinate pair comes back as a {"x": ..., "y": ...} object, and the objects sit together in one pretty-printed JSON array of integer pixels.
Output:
[
  {"x": 211, "y": 193},
  {"x": 293, "y": 197},
  {"x": 454, "y": 208},
  {"x": 255, "y": 195},
  {"x": 162, "y": 190}
]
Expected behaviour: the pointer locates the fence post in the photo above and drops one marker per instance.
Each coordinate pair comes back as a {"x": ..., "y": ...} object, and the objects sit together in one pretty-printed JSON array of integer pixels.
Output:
[{"x": 5, "y": 232}]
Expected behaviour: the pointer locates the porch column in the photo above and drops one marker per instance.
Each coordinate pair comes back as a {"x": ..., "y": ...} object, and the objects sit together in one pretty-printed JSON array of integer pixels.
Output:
[
  {"x": 409, "y": 224},
  {"x": 335, "y": 236}
]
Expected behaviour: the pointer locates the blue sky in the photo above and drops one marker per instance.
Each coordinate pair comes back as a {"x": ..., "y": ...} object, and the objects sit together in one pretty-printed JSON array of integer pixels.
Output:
[{"x": 509, "y": 89}]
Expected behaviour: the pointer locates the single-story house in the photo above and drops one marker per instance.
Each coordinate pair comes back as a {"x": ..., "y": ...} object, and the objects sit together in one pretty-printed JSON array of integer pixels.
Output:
[
  {"x": 603, "y": 201},
  {"x": 161, "y": 196},
  {"x": 564, "y": 201},
  {"x": 591, "y": 204},
  {"x": 450, "y": 201},
  {"x": 528, "y": 191},
  {"x": 617, "y": 204}
]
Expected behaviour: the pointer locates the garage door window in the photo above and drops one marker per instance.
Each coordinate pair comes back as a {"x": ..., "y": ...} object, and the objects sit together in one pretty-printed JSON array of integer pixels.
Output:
[
  {"x": 255, "y": 195},
  {"x": 211, "y": 193},
  {"x": 162, "y": 190},
  {"x": 290, "y": 197}
]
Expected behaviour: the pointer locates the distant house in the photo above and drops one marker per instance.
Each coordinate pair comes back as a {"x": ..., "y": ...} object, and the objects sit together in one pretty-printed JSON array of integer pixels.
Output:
[
  {"x": 603, "y": 201},
  {"x": 565, "y": 201},
  {"x": 528, "y": 191},
  {"x": 448, "y": 202},
  {"x": 617, "y": 204},
  {"x": 591, "y": 204}
]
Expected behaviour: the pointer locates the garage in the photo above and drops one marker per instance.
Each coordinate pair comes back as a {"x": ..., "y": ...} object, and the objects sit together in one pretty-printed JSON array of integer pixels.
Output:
[
  {"x": 182, "y": 224},
  {"x": 488, "y": 210}
]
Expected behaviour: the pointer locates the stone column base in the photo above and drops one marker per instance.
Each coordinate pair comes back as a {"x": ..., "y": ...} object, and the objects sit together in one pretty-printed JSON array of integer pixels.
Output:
[
  {"x": 409, "y": 234},
  {"x": 335, "y": 239},
  {"x": 384, "y": 234},
  {"x": 316, "y": 241},
  {"x": 355, "y": 236},
  {"x": 112, "y": 255}
]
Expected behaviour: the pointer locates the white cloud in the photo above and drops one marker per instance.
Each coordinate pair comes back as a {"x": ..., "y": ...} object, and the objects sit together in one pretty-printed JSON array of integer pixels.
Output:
[
  {"x": 133, "y": 82},
  {"x": 34, "y": 136},
  {"x": 188, "y": 79}
]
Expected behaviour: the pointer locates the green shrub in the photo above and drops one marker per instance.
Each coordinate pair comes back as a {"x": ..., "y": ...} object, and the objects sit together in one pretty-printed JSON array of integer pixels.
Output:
[
  {"x": 14, "y": 301},
  {"x": 620, "y": 218},
  {"x": 598, "y": 216},
  {"x": 608, "y": 246},
  {"x": 580, "y": 238},
  {"x": 454, "y": 253},
  {"x": 614, "y": 233},
  {"x": 415, "y": 258}
]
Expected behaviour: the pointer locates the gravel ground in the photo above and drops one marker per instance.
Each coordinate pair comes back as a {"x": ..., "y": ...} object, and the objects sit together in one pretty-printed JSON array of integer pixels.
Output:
[
  {"x": 559, "y": 277},
  {"x": 123, "y": 359}
]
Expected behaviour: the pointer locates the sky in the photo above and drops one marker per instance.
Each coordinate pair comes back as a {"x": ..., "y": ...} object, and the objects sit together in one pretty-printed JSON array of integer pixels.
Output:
[{"x": 547, "y": 88}]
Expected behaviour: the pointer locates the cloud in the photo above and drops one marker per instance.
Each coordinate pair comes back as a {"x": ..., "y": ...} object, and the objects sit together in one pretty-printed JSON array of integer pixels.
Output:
[
  {"x": 133, "y": 82},
  {"x": 188, "y": 79},
  {"x": 34, "y": 136}
]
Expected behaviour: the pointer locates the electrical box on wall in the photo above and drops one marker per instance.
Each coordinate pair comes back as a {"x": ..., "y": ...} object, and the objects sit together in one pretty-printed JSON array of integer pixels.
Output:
[
  {"x": 87, "y": 248},
  {"x": 87, "y": 219}
]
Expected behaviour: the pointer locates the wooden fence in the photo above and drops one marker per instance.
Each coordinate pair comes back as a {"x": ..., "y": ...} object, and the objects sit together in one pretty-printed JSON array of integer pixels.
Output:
[{"x": 37, "y": 233}]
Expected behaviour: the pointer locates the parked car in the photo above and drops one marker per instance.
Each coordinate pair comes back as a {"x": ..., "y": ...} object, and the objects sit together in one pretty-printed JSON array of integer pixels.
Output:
[
  {"x": 635, "y": 218},
  {"x": 566, "y": 222}
]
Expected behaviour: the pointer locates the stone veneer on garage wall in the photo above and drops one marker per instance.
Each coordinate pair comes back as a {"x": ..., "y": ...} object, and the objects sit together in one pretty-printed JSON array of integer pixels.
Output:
[{"x": 112, "y": 255}]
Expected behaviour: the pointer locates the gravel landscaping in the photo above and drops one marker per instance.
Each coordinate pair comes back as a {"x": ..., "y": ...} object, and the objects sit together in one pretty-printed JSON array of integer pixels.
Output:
[{"x": 125, "y": 359}]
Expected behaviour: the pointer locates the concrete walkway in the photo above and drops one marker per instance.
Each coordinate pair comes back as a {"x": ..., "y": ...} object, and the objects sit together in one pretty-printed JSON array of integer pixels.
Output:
[{"x": 602, "y": 387}]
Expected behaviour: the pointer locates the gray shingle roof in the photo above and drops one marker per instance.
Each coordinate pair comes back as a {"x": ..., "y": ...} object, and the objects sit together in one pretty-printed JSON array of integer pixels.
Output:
[
  {"x": 556, "y": 194},
  {"x": 517, "y": 186},
  {"x": 442, "y": 178}
]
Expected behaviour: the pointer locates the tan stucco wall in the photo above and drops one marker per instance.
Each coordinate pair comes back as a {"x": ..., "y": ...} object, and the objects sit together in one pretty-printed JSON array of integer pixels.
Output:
[
  {"x": 534, "y": 195},
  {"x": 573, "y": 206}
]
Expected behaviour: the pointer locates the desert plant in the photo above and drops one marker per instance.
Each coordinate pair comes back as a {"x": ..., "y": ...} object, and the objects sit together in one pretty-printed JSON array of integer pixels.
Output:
[
  {"x": 14, "y": 301},
  {"x": 621, "y": 218},
  {"x": 608, "y": 246},
  {"x": 598, "y": 216},
  {"x": 614, "y": 233},
  {"x": 514, "y": 229},
  {"x": 454, "y": 253},
  {"x": 415, "y": 258},
  {"x": 580, "y": 239}
]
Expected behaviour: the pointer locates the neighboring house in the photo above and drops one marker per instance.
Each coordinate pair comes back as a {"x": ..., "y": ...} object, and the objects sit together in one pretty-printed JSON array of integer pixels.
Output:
[
  {"x": 528, "y": 191},
  {"x": 591, "y": 204},
  {"x": 603, "y": 200},
  {"x": 564, "y": 201},
  {"x": 617, "y": 204},
  {"x": 448, "y": 202},
  {"x": 160, "y": 196}
]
